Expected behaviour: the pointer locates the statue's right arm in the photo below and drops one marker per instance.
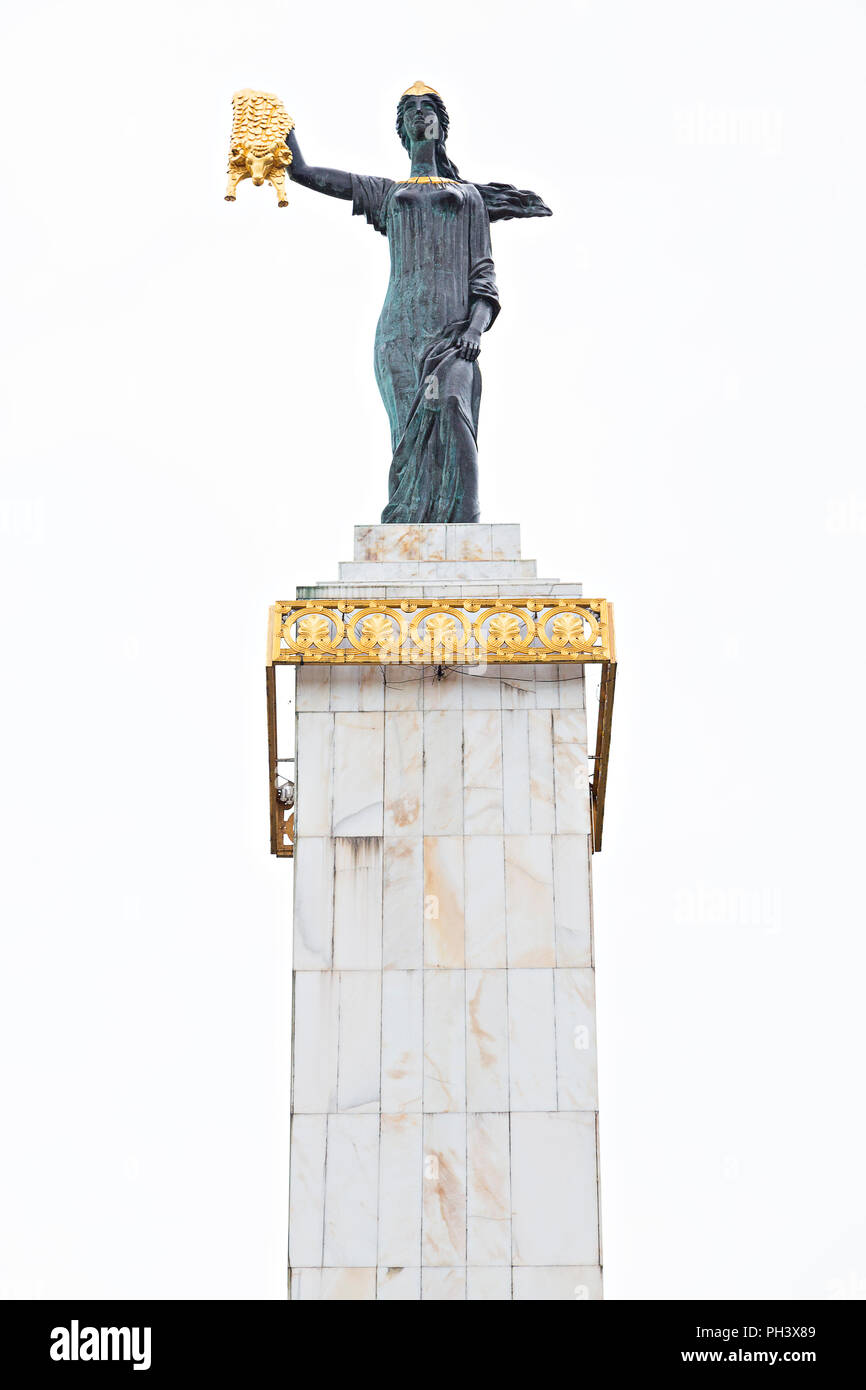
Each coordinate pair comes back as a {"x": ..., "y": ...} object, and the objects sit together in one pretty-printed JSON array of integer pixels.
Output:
[{"x": 334, "y": 182}]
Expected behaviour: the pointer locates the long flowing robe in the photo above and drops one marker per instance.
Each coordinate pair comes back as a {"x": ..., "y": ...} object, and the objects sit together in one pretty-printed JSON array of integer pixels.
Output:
[{"x": 439, "y": 238}]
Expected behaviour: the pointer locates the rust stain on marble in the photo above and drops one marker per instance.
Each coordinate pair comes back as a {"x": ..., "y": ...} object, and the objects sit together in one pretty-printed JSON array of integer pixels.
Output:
[
  {"x": 445, "y": 931},
  {"x": 405, "y": 810},
  {"x": 448, "y": 1195},
  {"x": 481, "y": 1036},
  {"x": 400, "y": 1068},
  {"x": 409, "y": 543}
]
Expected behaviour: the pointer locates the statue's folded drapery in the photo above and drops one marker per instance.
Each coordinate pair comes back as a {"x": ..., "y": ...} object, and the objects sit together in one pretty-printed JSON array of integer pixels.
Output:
[{"x": 439, "y": 238}]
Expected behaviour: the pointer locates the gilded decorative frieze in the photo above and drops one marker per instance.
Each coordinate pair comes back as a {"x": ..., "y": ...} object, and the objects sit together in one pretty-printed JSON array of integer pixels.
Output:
[{"x": 437, "y": 632}]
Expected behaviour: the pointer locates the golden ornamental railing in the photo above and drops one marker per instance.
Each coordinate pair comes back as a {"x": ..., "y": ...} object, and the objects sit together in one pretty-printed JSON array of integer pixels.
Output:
[{"x": 438, "y": 632}]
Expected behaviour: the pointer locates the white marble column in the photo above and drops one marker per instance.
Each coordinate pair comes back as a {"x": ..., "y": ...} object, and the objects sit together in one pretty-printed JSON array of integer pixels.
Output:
[{"x": 444, "y": 1099}]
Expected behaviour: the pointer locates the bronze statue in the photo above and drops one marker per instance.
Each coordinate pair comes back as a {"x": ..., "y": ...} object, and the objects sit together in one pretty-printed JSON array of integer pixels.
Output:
[{"x": 441, "y": 297}]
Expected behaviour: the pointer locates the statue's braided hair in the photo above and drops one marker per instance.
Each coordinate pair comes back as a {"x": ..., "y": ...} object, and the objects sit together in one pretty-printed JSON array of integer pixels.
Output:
[{"x": 502, "y": 200}]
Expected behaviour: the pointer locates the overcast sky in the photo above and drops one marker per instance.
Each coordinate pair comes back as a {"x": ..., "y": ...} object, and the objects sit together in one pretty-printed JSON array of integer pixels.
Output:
[{"x": 673, "y": 410}]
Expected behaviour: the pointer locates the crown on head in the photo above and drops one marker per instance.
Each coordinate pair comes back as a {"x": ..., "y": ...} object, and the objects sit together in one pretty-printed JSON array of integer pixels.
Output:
[{"x": 420, "y": 89}]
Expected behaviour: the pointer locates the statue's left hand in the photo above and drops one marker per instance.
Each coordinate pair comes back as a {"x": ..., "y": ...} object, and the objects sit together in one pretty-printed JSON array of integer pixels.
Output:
[{"x": 468, "y": 344}]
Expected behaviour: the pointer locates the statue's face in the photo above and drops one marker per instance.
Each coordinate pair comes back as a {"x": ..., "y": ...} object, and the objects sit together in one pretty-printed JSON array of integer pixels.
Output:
[{"x": 420, "y": 121}]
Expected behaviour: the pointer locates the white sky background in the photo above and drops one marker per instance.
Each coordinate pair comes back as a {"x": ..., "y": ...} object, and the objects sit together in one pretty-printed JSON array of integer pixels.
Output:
[{"x": 673, "y": 411}]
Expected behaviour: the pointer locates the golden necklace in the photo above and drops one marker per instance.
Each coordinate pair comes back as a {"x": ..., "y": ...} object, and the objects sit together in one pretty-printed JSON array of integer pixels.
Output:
[{"x": 425, "y": 178}]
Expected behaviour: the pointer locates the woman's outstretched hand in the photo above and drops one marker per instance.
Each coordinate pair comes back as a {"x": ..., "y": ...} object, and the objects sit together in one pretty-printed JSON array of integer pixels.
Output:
[
  {"x": 297, "y": 157},
  {"x": 468, "y": 344}
]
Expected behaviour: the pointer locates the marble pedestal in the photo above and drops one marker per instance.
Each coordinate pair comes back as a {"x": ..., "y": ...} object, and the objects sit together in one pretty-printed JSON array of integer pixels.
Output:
[{"x": 444, "y": 1098}]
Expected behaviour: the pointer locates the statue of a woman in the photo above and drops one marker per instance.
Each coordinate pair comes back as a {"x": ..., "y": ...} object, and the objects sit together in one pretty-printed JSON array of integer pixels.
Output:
[{"x": 441, "y": 297}]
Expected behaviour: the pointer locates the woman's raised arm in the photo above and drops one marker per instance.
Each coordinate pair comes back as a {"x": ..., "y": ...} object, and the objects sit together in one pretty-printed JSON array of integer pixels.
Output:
[{"x": 335, "y": 182}]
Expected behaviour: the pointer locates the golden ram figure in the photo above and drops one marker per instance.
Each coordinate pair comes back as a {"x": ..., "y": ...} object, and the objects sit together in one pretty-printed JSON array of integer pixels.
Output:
[{"x": 259, "y": 151}]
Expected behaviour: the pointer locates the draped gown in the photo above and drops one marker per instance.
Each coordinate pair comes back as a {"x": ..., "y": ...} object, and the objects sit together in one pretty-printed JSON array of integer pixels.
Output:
[{"x": 439, "y": 238}]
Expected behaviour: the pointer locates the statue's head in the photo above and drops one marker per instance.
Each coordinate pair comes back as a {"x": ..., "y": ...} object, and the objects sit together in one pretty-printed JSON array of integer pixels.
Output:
[{"x": 421, "y": 115}]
